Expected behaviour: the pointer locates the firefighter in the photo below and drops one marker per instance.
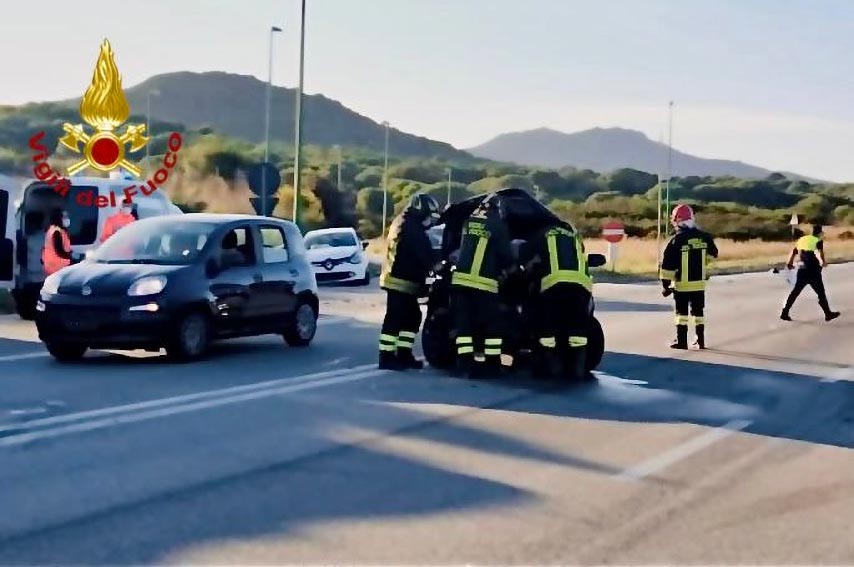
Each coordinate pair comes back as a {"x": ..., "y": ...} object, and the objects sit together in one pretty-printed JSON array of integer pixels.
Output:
[
  {"x": 485, "y": 258},
  {"x": 56, "y": 253},
  {"x": 685, "y": 265},
  {"x": 122, "y": 218},
  {"x": 409, "y": 259},
  {"x": 560, "y": 272},
  {"x": 810, "y": 249}
]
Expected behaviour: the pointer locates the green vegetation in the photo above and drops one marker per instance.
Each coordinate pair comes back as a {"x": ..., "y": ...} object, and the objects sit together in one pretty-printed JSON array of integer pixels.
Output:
[{"x": 211, "y": 170}]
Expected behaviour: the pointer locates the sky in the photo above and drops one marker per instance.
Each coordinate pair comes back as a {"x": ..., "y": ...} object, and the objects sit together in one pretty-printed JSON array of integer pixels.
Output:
[{"x": 768, "y": 82}]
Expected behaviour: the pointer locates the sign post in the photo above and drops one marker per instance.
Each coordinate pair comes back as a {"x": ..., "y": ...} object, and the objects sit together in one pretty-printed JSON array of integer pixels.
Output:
[
  {"x": 613, "y": 232},
  {"x": 793, "y": 223}
]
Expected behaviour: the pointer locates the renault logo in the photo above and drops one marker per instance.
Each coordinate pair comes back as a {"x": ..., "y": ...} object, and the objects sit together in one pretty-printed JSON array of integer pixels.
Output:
[
  {"x": 328, "y": 265},
  {"x": 86, "y": 290}
]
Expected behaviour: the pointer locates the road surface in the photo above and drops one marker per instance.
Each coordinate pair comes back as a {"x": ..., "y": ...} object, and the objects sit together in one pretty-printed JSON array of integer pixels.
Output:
[{"x": 265, "y": 454}]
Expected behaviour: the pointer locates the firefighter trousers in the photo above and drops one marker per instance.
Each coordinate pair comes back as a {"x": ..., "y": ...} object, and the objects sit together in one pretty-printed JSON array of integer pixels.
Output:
[
  {"x": 564, "y": 314},
  {"x": 477, "y": 323},
  {"x": 401, "y": 323},
  {"x": 690, "y": 308}
]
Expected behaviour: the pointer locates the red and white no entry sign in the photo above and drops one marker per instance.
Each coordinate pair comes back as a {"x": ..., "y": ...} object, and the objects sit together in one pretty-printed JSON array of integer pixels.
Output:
[{"x": 613, "y": 231}]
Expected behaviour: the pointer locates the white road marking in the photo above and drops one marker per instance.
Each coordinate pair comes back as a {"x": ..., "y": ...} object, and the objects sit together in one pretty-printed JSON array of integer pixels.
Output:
[
  {"x": 23, "y": 356},
  {"x": 161, "y": 402},
  {"x": 113, "y": 421},
  {"x": 840, "y": 375},
  {"x": 683, "y": 451}
]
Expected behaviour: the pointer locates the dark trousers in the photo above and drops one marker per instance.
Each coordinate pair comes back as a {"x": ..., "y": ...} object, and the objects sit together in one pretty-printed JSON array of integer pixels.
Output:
[
  {"x": 812, "y": 278},
  {"x": 401, "y": 323},
  {"x": 690, "y": 307},
  {"x": 564, "y": 314},
  {"x": 477, "y": 323}
]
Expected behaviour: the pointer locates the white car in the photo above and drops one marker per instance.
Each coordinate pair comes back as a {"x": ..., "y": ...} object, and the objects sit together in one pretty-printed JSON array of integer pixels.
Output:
[{"x": 337, "y": 255}]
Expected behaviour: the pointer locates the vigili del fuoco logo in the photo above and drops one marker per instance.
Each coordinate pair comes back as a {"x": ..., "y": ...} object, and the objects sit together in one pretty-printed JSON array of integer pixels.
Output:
[{"x": 105, "y": 109}]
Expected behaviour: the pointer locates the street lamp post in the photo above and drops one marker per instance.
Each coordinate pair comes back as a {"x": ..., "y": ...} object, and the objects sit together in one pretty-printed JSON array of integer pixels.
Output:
[
  {"x": 669, "y": 158},
  {"x": 148, "y": 96},
  {"x": 385, "y": 180},
  {"x": 273, "y": 30},
  {"x": 339, "y": 155},
  {"x": 298, "y": 119}
]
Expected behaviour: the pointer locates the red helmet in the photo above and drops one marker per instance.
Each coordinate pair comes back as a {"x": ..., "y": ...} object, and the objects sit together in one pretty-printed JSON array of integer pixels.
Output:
[{"x": 682, "y": 213}]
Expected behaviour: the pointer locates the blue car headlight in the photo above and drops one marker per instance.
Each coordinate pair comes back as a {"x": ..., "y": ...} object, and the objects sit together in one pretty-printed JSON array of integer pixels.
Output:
[{"x": 356, "y": 258}]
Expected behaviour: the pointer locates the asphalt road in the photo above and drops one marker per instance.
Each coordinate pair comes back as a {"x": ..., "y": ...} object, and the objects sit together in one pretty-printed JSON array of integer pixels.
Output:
[{"x": 268, "y": 454}]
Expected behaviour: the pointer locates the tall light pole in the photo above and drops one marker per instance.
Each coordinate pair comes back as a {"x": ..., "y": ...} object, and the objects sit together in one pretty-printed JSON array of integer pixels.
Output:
[
  {"x": 385, "y": 179},
  {"x": 298, "y": 119},
  {"x": 669, "y": 156},
  {"x": 153, "y": 92},
  {"x": 449, "y": 186},
  {"x": 273, "y": 30}
]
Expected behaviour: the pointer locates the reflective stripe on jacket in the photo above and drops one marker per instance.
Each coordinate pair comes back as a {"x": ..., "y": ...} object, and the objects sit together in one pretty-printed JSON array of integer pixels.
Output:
[
  {"x": 687, "y": 258},
  {"x": 484, "y": 253},
  {"x": 567, "y": 260},
  {"x": 51, "y": 261}
]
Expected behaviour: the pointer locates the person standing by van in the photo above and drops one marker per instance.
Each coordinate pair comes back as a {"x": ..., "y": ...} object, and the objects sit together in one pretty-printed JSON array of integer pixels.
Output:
[
  {"x": 56, "y": 253},
  {"x": 122, "y": 218}
]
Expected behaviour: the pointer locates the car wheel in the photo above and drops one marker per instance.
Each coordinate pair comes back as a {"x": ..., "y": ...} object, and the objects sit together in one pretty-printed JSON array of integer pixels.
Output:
[
  {"x": 191, "y": 338},
  {"x": 64, "y": 352},
  {"x": 595, "y": 345},
  {"x": 302, "y": 326}
]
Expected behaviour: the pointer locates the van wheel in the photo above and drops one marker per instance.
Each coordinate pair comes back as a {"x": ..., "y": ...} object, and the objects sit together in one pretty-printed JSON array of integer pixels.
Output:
[
  {"x": 302, "y": 326},
  {"x": 436, "y": 340},
  {"x": 64, "y": 352},
  {"x": 191, "y": 338}
]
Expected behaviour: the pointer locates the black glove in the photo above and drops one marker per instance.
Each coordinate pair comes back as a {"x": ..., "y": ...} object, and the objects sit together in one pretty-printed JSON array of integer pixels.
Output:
[{"x": 667, "y": 292}]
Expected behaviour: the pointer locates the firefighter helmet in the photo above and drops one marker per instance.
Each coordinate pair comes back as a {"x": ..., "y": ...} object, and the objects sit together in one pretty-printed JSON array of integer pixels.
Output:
[
  {"x": 682, "y": 213},
  {"x": 424, "y": 206}
]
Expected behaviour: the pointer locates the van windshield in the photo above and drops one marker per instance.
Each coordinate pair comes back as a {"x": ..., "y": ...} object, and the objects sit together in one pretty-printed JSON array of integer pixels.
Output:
[{"x": 155, "y": 241}]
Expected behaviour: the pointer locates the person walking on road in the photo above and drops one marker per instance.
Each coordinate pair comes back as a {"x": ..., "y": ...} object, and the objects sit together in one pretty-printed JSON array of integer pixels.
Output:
[
  {"x": 684, "y": 271},
  {"x": 559, "y": 266},
  {"x": 122, "y": 218},
  {"x": 810, "y": 250},
  {"x": 409, "y": 259},
  {"x": 56, "y": 253},
  {"x": 485, "y": 258}
]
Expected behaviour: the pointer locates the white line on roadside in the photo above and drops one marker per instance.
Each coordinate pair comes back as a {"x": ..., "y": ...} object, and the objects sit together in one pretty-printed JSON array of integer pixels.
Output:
[
  {"x": 92, "y": 425},
  {"x": 840, "y": 375},
  {"x": 161, "y": 402},
  {"x": 683, "y": 451},
  {"x": 23, "y": 356}
]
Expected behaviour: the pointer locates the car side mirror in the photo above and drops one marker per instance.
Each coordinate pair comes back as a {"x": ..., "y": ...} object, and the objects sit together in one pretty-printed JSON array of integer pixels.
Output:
[
  {"x": 212, "y": 268},
  {"x": 365, "y": 244},
  {"x": 596, "y": 260}
]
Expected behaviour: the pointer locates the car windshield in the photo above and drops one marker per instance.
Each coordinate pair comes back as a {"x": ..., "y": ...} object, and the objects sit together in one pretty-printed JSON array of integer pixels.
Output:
[
  {"x": 329, "y": 240},
  {"x": 155, "y": 241}
]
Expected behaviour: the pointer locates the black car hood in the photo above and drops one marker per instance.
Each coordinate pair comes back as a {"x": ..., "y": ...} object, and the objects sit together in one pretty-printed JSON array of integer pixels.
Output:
[
  {"x": 105, "y": 280},
  {"x": 525, "y": 216}
]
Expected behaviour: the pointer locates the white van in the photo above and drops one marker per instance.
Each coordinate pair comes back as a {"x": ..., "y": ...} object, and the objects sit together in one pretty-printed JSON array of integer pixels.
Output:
[{"x": 26, "y": 222}]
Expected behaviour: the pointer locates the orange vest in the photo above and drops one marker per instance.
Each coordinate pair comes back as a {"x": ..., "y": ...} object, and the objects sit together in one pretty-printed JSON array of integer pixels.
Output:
[
  {"x": 50, "y": 259},
  {"x": 114, "y": 223}
]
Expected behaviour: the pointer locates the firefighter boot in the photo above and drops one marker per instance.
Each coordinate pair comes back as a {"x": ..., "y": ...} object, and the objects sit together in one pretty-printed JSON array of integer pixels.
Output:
[
  {"x": 389, "y": 361},
  {"x": 407, "y": 360},
  {"x": 681, "y": 341},
  {"x": 700, "y": 343}
]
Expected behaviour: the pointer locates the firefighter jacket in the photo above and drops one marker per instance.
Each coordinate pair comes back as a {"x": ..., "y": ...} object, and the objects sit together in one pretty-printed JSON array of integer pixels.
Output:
[
  {"x": 409, "y": 256},
  {"x": 485, "y": 252},
  {"x": 687, "y": 258},
  {"x": 561, "y": 258}
]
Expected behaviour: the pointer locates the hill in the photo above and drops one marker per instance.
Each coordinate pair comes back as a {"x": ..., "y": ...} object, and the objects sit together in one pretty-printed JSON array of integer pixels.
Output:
[{"x": 605, "y": 150}]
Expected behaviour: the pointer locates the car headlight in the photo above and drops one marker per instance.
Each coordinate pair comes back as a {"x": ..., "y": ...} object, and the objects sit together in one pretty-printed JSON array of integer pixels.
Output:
[
  {"x": 51, "y": 284},
  {"x": 356, "y": 258},
  {"x": 147, "y": 286}
]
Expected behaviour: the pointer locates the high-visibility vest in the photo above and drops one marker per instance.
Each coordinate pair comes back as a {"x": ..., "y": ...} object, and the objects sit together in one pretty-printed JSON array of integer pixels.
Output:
[
  {"x": 567, "y": 261},
  {"x": 808, "y": 243},
  {"x": 114, "y": 223},
  {"x": 51, "y": 261}
]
